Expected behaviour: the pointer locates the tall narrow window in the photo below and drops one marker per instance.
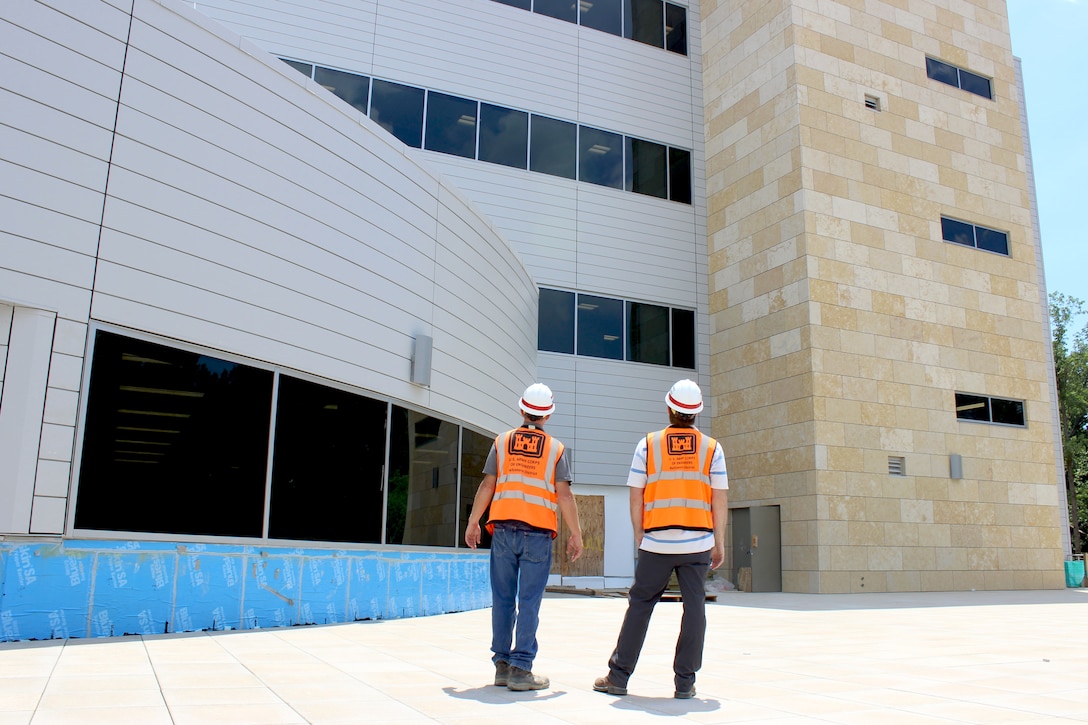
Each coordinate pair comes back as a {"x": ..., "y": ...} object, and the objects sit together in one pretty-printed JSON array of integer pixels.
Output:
[
  {"x": 600, "y": 327},
  {"x": 399, "y": 110},
  {"x": 646, "y": 168},
  {"x": 553, "y": 147},
  {"x": 600, "y": 157},
  {"x": 676, "y": 29},
  {"x": 648, "y": 333},
  {"x": 683, "y": 338},
  {"x": 451, "y": 125},
  {"x": 555, "y": 321},
  {"x": 504, "y": 136},
  {"x": 680, "y": 175}
]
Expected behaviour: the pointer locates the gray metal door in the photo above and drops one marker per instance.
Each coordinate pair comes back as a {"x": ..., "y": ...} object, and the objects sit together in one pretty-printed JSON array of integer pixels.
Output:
[{"x": 757, "y": 543}]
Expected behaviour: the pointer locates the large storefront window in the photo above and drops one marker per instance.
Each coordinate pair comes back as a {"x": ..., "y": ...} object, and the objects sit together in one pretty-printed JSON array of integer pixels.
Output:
[
  {"x": 178, "y": 443},
  {"x": 175, "y": 442},
  {"x": 422, "y": 507},
  {"x": 327, "y": 464}
]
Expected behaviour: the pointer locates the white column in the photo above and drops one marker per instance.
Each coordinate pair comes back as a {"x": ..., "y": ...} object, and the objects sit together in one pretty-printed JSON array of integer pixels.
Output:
[{"x": 22, "y": 408}]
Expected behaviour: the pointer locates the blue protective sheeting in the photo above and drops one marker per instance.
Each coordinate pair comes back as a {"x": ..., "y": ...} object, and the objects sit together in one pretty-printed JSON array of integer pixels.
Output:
[{"x": 109, "y": 588}]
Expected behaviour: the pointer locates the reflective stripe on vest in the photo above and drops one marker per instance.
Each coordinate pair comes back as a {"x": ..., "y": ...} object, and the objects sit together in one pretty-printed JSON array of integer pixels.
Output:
[
  {"x": 525, "y": 479},
  {"x": 678, "y": 491}
]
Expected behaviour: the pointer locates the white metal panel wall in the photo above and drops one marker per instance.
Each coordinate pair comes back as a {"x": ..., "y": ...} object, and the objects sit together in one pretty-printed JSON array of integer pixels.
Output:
[
  {"x": 335, "y": 34},
  {"x": 57, "y": 110},
  {"x": 251, "y": 212}
]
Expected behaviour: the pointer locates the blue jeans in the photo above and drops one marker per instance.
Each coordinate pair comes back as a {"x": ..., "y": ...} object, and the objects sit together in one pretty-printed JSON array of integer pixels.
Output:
[{"x": 520, "y": 563}]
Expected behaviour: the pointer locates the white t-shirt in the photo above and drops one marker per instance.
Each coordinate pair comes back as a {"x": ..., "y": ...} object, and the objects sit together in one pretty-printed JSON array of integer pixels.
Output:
[{"x": 677, "y": 541}]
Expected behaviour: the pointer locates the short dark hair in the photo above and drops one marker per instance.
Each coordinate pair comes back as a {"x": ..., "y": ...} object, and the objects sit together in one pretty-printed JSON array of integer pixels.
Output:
[{"x": 532, "y": 418}]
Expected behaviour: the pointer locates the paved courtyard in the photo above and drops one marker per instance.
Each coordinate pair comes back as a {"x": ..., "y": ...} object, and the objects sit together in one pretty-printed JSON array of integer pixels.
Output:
[{"x": 970, "y": 657}]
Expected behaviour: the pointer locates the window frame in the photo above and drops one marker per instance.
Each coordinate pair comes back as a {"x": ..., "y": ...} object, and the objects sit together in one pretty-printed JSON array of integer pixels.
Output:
[
  {"x": 962, "y": 402},
  {"x": 946, "y": 221}
]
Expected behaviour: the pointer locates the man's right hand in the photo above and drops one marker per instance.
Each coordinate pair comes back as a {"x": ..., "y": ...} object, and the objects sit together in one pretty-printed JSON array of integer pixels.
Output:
[{"x": 473, "y": 535}]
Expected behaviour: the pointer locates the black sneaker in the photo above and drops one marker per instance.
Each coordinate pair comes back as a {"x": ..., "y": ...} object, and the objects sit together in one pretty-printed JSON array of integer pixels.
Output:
[
  {"x": 521, "y": 680},
  {"x": 502, "y": 672}
]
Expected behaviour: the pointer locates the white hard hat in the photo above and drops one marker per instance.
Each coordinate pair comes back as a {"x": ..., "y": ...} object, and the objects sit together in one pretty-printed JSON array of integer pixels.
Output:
[
  {"x": 685, "y": 397},
  {"x": 537, "y": 400}
]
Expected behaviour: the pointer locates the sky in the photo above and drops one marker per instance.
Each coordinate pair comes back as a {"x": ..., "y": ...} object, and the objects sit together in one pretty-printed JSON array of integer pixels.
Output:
[{"x": 1051, "y": 39}]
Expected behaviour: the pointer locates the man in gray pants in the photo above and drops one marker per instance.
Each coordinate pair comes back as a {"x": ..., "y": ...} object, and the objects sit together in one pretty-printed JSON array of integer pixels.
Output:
[{"x": 678, "y": 485}]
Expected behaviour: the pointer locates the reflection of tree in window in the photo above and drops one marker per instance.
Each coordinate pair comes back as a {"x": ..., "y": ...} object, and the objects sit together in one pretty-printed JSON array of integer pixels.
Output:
[
  {"x": 422, "y": 504},
  {"x": 474, "y": 450}
]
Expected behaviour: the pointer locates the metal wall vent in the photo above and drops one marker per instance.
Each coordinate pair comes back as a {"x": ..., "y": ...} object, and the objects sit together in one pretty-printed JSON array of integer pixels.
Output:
[{"x": 897, "y": 466}]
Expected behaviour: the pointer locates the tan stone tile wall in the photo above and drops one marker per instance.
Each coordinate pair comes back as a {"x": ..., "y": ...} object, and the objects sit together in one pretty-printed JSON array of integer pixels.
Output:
[{"x": 842, "y": 324}]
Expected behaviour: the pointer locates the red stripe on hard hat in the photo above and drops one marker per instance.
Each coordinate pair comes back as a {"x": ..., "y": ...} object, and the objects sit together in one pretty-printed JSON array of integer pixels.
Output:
[
  {"x": 527, "y": 404},
  {"x": 678, "y": 404}
]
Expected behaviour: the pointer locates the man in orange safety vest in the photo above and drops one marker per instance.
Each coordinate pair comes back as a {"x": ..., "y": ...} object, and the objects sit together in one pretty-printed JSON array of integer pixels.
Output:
[
  {"x": 678, "y": 486},
  {"x": 526, "y": 480}
]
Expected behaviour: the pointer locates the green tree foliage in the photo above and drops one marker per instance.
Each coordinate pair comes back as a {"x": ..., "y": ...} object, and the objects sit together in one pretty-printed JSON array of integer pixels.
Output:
[{"x": 1071, "y": 370}]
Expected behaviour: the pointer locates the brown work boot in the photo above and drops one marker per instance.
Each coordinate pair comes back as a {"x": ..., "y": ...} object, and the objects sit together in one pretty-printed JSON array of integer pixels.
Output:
[
  {"x": 603, "y": 684},
  {"x": 521, "y": 680},
  {"x": 502, "y": 672}
]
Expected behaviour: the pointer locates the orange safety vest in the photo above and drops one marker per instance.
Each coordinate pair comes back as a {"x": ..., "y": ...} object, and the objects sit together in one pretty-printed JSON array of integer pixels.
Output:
[
  {"x": 525, "y": 479},
  {"x": 678, "y": 492}
]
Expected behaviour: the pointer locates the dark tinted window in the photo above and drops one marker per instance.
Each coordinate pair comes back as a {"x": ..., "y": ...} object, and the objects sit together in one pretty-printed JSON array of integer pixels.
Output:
[
  {"x": 600, "y": 327},
  {"x": 175, "y": 442},
  {"x": 562, "y": 9},
  {"x": 451, "y": 125},
  {"x": 647, "y": 333},
  {"x": 327, "y": 475},
  {"x": 976, "y": 84},
  {"x": 942, "y": 72},
  {"x": 644, "y": 21},
  {"x": 680, "y": 175},
  {"x": 504, "y": 136},
  {"x": 1009, "y": 412},
  {"x": 422, "y": 506},
  {"x": 683, "y": 338},
  {"x": 992, "y": 240},
  {"x": 474, "y": 450},
  {"x": 600, "y": 157},
  {"x": 972, "y": 407},
  {"x": 957, "y": 231},
  {"x": 553, "y": 147},
  {"x": 349, "y": 87},
  {"x": 555, "y": 321},
  {"x": 603, "y": 15},
  {"x": 676, "y": 29},
  {"x": 646, "y": 168},
  {"x": 523, "y": 4},
  {"x": 399, "y": 110},
  {"x": 304, "y": 68}
]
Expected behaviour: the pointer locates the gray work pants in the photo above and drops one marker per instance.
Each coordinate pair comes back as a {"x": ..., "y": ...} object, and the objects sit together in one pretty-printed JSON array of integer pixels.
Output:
[{"x": 652, "y": 574}]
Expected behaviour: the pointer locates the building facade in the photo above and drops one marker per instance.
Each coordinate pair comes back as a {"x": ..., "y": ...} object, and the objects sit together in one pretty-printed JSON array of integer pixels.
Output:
[
  {"x": 273, "y": 276},
  {"x": 880, "y": 341}
]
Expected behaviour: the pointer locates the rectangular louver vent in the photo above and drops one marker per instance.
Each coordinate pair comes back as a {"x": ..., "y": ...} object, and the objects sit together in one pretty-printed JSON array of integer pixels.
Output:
[
  {"x": 872, "y": 102},
  {"x": 897, "y": 466}
]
